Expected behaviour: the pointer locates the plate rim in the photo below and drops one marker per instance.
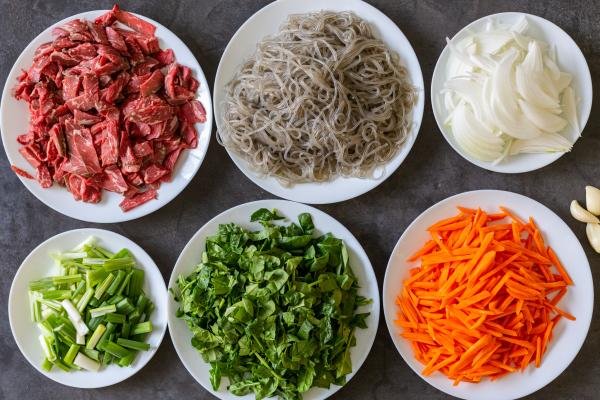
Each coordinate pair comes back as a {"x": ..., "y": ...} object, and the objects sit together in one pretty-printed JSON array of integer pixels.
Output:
[
  {"x": 375, "y": 311},
  {"x": 392, "y": 331},
  {"x": 86, "y": 232},
  {"x": 585, "y": 114},
  {"x": 122, "y": 216},
  {"x": 287, "y": 193}
]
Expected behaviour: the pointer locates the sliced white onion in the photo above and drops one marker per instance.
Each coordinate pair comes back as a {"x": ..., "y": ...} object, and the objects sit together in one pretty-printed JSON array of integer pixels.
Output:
[
  {"x": 541, "y": 118},
  {"x": 474, "y": 137},
  {"x": 570, "y": 109},
  {"x": 547, "y": 143}
]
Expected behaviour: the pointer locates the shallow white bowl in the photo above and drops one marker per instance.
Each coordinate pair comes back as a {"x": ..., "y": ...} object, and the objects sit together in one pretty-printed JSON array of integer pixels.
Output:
[
  {"x": 39, "y": 264},
  {"x": 190, "y": 258},
  {"x": 570, "y": 59},
  {"x": 267, "y": 22},
  {"x": 14, "y": 120},
  {"x": 579, "y": 300}
]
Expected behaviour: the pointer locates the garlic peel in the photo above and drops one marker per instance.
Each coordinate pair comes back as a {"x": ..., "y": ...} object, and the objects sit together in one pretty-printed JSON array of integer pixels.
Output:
[
  {"x": 593, "y": 235},
  {"x": 581, "y": 214},
  {"x": 592, "y": 199}
]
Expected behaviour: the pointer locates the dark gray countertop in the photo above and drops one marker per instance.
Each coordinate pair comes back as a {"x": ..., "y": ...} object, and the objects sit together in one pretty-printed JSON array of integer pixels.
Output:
[{"x": 432, "y": 172}]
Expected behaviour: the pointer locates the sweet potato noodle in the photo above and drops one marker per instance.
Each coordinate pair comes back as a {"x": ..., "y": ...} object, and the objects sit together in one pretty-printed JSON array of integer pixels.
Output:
[{"x": 322, "y": 98}]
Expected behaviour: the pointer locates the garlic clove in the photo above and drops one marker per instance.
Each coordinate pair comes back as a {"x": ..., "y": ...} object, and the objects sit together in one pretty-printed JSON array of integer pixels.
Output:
[
  {"x": 593, "y": 234},
  {"x": 592, "y": 199},
  {"x": 581, "y": 214}
]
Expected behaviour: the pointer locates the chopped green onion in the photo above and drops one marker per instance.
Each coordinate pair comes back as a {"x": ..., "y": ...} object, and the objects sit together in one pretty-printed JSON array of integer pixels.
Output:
[
  {"x": 70, "y": 356},
  {"x": 71, "y": 255},
  {"x": 93, "y": 261},
  {"x": 92, "y": 311},
  {"x": 100, "y": 311},
  {"x": 127, "y": 360},
  {"x": 116, "y": 284},
  {"x": 125, "y": 284},
  {"x": 125, "y": 329},
  {"x": 110, "y": 328},
  {"x": 85, "y": 299},
  {"x": 95, "y": 338},
  {"x": 47, "y": 347},
  {"x": 125, "y": 307},
  {"x": 115, "y": 318},
  {"x": 47, "y": 365},
  {"x": 115, "y": 349},
  {"x": 103, "y": 286},
  {"x": 56, "y": 294},
  {"x": 106, "y": 358},
  {"x": 133, "y": 344},
  {"x": 144, "y": 327},
  {"x": 85, "y": 362},
  {"x": 119, "y": 263},
  {"x": 61, "y": 365},
  {"x": 93, "y": 354},
  {"x": 95, "y": 276},
  {"x": 136, "y": 282},
  {"x": 80, "y": 289}
]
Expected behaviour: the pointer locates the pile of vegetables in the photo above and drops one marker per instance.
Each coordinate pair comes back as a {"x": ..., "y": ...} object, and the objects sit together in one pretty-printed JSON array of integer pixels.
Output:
[
  {"x": 483, "y": 301},
  {"x": 589, "y": 215},
  {"x": 506, "y": 95},
  {"x": 273, "y": 310},
  {"x": 94, "y": 312}
]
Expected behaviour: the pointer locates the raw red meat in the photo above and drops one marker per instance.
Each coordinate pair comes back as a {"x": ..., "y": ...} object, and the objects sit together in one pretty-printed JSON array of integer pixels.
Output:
[{"x": 109, "y": 110}]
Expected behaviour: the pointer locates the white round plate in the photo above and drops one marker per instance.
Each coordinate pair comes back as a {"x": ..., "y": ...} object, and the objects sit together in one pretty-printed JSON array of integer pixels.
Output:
[
  {"x": 579, "y": 300},
  {"x": 570, "y": 59},
  {"x": 267, "y": 22},
  {"x": 14, "y": 120},
  {"x": 240, "y": 215},
  {"x": 39, "y": 264}
]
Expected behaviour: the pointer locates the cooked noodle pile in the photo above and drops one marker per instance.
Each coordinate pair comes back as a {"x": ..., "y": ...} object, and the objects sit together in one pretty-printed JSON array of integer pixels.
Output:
[{"x": 322, "y": 98}]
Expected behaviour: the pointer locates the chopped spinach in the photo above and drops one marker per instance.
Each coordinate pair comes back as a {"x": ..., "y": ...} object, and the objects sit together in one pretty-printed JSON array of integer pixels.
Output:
[{"x": 273, "y": 310}]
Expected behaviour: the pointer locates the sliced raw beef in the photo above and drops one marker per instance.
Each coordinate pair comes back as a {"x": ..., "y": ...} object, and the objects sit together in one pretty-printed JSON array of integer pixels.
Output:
[{"x": 109, "y": 110}]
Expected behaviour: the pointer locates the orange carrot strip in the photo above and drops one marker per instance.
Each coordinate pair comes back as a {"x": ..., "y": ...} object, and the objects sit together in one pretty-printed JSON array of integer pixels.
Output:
[{"x": 561, "y": 269}]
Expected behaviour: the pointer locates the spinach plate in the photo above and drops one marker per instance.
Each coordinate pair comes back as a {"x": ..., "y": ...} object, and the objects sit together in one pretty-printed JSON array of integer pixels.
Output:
[{"x": 273, "y": 310}]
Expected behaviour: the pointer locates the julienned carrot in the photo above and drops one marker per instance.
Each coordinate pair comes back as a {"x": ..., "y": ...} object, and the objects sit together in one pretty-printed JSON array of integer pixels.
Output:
[{"x": 483, "y": 302}]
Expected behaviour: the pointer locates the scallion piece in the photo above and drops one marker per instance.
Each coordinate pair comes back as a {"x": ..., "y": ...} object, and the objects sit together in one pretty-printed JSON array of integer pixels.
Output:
[
  {"x": 85, "y": 299},
  {"x": 95, "y": 276},
  {"x": 47, "y": 365},
  {"x": 70, "y": 356},
  {"x": 47, "y": 347},
  {"x": 136, "y": 282},
  {"x": 133, "y": 344},
  {"x": 126, "y": 361},
  {"x": 116, "y": 284},
  {"x": 144, "y": 327},
  {"x": 85, "y": 362},
  {"x": 103, "y": 286},
  {"x": 95, "y": 338},
  {"x": 125, "y": 284},
  {"x": 100, "y": 311},
  {"x": 115, "y": 318},
  {"x": 115, "y": 349},
  {"x": 119, "y": 263},
  {"x": 93, "y": 354},
  {"x": 56, "y": 294},
  {"x": 125, "y": 307}
]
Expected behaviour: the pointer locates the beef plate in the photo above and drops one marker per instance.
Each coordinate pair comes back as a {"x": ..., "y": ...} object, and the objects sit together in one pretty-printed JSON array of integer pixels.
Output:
[{"x": 109, "y": 110}]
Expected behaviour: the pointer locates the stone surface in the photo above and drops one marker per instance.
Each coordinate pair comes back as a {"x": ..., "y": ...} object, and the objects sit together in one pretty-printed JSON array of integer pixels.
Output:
[{"x": 432, "y": 172}]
